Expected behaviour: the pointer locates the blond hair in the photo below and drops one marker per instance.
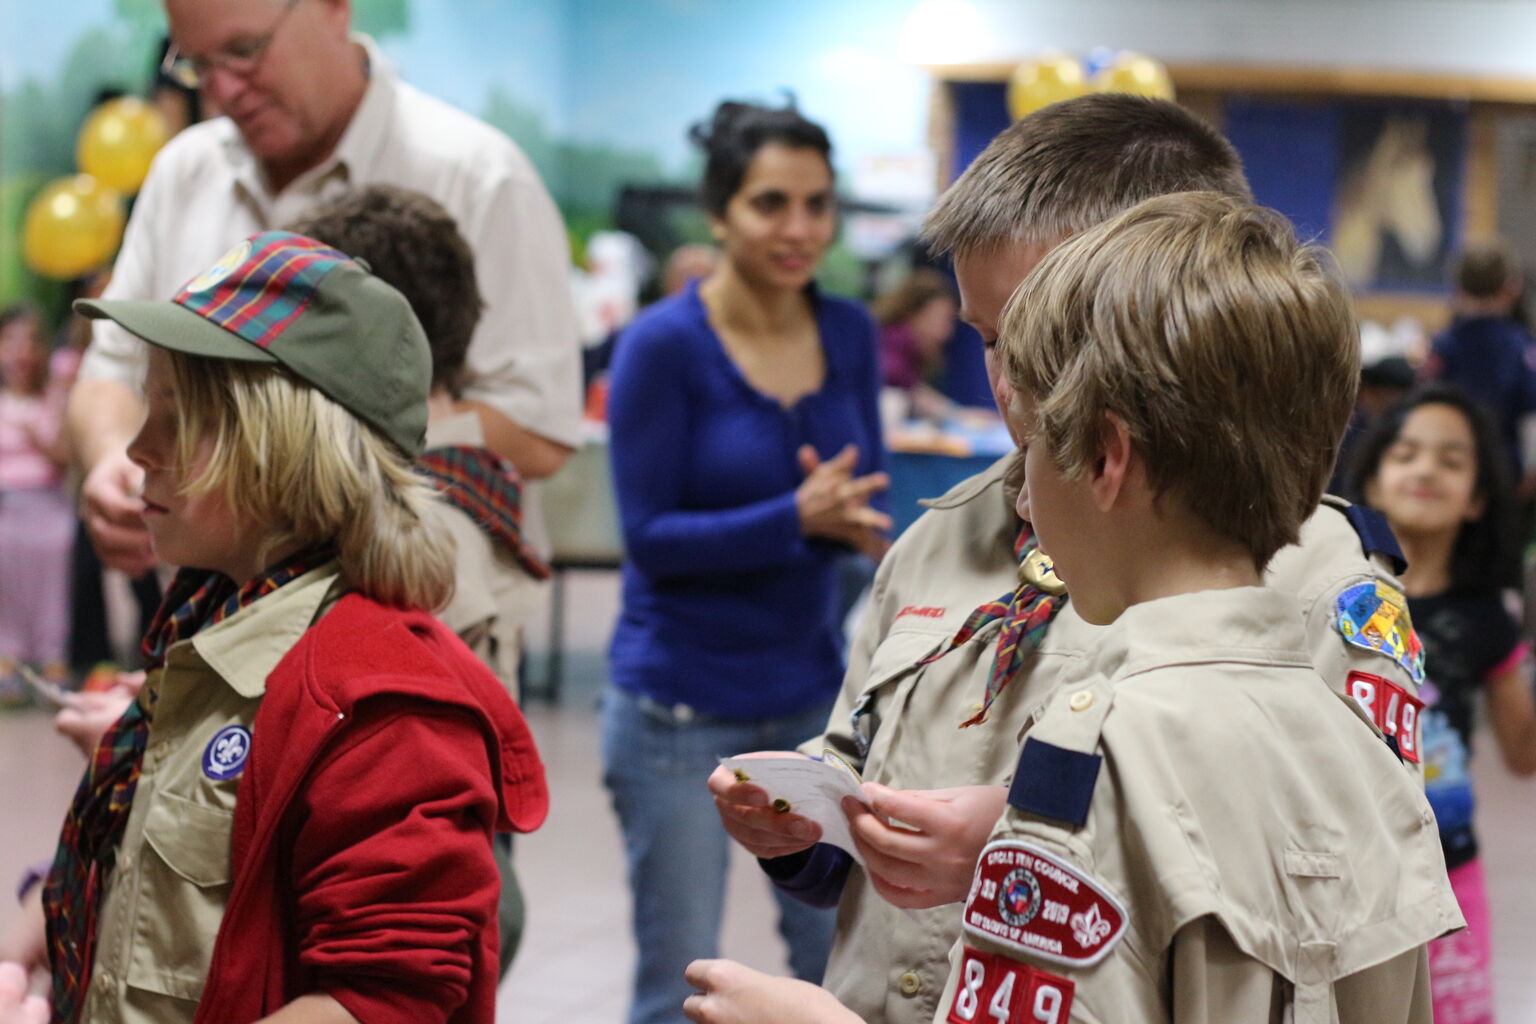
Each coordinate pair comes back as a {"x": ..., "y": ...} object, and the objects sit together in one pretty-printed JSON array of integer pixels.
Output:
[
  {"x": 1229, "y": 350},
  {"x": 294, "y": 461},
  {"x": 1072, "y": 165}
]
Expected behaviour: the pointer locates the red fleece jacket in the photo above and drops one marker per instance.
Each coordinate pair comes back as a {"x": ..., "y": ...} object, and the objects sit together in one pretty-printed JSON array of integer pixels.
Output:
[{"x": 383, "y": 757}]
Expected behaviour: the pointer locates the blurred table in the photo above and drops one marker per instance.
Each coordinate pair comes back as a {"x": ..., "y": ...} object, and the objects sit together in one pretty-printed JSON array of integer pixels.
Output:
[{"x": 925, "y": 460}]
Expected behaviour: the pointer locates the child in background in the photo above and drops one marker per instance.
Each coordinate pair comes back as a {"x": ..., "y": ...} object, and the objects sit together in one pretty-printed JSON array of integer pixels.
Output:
[
  {"x": 1435, "y": 468},
  {"x": 1487, "y": 351},
  {"x": 37, "y": 520},
  {"x": 916, "y": 320},
  {"x": 293, "y": 821}
]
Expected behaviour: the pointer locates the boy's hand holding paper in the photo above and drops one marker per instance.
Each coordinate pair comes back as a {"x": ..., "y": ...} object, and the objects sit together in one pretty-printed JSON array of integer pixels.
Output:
[{"x": 776, "y": 803}]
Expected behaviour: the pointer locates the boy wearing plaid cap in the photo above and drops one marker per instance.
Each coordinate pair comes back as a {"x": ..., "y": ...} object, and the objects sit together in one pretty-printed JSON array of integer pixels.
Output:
[{"x": 243, "y": 845}]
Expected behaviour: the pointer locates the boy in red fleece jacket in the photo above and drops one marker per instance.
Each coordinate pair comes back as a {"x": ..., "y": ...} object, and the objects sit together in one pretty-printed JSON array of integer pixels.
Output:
[{"x": 293, "y": 822}]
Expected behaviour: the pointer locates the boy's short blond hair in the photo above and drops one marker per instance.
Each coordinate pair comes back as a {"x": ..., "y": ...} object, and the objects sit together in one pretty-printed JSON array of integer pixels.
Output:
[
  {"x": 292, "y": 460},
  {"x": 1074, "y": 164},
  {"x": 1229, "y": 350}
]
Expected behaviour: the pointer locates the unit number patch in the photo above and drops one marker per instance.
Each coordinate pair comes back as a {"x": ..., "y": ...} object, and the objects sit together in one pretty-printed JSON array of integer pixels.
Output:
[
  {"x": 996, "y": 990},
  {"x": 1395, "y": 710}
]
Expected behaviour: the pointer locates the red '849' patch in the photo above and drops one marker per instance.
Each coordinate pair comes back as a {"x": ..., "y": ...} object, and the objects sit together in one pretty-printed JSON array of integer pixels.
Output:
[
  {"x": 996, "y": 990},
  {"x": 1395, "y": 710},
  {"x": 1028, "y": 899}
]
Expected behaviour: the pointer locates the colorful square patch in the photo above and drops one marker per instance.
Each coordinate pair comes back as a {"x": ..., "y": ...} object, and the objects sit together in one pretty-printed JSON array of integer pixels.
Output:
[{"x": 1374, "y": 616}]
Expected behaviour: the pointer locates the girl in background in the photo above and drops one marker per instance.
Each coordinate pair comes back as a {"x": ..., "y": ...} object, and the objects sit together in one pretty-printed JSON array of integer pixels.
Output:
[
  {"x": 746, "y": 445},
  {"x": 37, "y": 521},
  {"x": 917, "y": 319},
  {"x": 1434, "y": 467}
]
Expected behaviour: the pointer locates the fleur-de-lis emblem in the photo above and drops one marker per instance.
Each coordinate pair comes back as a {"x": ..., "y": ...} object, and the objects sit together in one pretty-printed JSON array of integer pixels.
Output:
[
  {"x": 229, "y": 749},
  {"x": 1089, "y": 929}
]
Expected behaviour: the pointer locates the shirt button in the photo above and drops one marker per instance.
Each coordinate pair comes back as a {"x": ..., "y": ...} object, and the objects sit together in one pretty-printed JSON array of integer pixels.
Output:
[
  {"x": 911, "y": 983},
  {"x": 1082, "y": 700}
]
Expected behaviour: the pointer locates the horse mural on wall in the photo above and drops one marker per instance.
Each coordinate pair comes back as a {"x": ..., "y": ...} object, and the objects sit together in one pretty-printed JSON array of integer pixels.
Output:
[{"x": 1389, "y": 195}]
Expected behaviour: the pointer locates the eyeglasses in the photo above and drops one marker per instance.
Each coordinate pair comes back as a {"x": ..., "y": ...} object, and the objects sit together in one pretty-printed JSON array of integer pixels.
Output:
[{"x": 241, "y": 58}]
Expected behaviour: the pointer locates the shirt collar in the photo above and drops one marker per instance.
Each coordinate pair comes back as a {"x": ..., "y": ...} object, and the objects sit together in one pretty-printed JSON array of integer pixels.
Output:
[
  {"x": 1258, "y": 625},
  {"x": 245, "y": 648}
]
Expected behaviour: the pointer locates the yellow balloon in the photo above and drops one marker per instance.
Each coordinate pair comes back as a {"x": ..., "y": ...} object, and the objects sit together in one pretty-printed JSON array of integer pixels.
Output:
[
  {"x": 1043, "y": 81},
  {"x": 1136, "y": 74},
  {"x": 118, "y": 141},
  {"x": 72, "y": 227}
]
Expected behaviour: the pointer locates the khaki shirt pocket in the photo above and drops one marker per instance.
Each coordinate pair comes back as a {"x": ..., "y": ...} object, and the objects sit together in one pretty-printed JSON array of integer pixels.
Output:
[
  {"x": 893, "y": 672},
  {"x": 184, "y": 881}
]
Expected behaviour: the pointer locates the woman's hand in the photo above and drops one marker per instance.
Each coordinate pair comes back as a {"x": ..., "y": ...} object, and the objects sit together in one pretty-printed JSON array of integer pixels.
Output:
[
  {"x": 834, "y": 504},
  {"x": 732, "y": 994},
  {"x": 16, "y": 1007}
]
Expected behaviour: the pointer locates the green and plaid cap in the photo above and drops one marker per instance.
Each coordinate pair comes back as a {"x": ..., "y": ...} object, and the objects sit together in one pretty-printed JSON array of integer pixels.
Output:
[{"x": 283, "y": 299}]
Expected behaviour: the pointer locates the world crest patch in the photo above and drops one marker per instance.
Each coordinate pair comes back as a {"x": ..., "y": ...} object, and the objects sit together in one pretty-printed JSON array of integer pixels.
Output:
[{"x": 1374, "y": 616}]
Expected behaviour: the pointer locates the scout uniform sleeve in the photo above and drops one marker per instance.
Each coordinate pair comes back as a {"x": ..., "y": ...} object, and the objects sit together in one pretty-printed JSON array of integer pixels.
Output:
[
  {"x": 1214, "y": 982},
  {"x": 1359, "y": 631},
  {"x": 394, "y": 880},
  {"x": 1037, "y": 924}
]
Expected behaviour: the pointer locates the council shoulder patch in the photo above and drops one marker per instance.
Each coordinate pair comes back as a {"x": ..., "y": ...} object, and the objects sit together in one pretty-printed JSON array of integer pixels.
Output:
[
  {"x": 1374, "y": 616},
  {"x": 1026, "y": 898}
]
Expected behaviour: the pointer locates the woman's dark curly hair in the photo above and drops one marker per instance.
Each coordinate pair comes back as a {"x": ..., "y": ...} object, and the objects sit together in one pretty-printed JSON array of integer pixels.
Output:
[
  {"x": 1487, "y": 553},
  {"x": 733, "y": 135}
]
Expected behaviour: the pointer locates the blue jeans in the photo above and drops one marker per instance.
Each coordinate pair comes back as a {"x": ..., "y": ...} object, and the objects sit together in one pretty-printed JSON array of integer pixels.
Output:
[{"x": 655, "y": 762}]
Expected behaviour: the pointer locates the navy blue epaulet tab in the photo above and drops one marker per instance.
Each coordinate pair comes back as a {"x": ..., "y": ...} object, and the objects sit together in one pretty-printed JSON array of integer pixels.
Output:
[
  {"x": 1054, "y": 782},
  {"x": 1376, "y": 536}
]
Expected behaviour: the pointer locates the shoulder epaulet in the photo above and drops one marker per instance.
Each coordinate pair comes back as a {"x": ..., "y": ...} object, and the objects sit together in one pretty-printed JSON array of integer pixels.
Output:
[
  {"x": 1376, "y": 537},
  {"x": 1054, "y": 782},
  {"x": 1059, "y": 764}
]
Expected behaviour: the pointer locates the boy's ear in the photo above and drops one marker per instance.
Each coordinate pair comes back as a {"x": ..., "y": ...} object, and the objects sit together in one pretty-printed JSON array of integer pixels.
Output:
[{"x": 1113, "y": 466}]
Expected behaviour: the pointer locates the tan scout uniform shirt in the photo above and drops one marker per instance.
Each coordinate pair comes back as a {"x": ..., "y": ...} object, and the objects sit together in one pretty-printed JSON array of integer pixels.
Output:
[
  {"x": 493, "y": 597},
  {"x": 1249, "y": 849},
  {"x": 163, "y": 902},
  {"x": 887, "y": 964}
]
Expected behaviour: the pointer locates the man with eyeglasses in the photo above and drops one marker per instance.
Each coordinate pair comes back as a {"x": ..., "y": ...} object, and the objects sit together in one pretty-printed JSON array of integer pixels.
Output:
[{"x": 312, "y": 111}]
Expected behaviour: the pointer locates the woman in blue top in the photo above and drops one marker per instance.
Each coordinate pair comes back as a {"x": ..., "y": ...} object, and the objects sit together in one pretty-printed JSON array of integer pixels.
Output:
[{"x": 746, "y": 448}]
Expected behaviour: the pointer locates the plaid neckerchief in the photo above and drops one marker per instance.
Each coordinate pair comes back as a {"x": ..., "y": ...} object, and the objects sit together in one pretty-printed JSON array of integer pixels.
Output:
[
  {"x": 485, "y": 487},
  {"x": 94, "y": 825},
  {"x": 1025, "y": 611}
]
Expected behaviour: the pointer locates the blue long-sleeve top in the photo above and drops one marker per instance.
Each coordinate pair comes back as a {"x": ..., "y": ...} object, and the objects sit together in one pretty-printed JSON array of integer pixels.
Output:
[{"x": 727, "y": 607}]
